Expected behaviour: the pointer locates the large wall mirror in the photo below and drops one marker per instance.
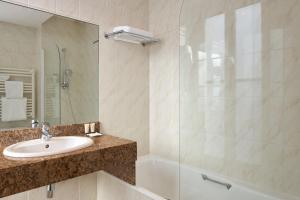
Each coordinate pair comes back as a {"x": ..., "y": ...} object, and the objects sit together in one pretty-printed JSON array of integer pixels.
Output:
[{"x": 48, "y": 68}]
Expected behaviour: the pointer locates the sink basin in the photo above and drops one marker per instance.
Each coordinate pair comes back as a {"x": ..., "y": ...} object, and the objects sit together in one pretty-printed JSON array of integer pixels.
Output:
[{"x": 38, "y": 147}]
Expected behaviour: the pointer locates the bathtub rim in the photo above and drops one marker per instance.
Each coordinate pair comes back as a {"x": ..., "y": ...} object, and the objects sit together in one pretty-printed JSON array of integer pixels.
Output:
[
  {"x": 144, "y": 191},
  {"x": 234, "y": 182}
]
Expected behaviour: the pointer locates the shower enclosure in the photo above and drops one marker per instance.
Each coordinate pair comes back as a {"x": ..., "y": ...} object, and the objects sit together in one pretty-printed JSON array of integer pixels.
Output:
[{"x": 239, "y": 99}]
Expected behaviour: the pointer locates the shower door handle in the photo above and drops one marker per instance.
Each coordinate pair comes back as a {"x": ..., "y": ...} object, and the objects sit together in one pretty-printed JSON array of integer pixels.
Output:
[{"x": 206, "y": 178}]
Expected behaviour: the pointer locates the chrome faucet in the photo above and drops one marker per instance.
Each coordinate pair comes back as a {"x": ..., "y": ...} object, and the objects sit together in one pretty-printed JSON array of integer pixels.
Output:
[
  {"x": 46, "y": 135},
  {"x": 34, "y": 123}
]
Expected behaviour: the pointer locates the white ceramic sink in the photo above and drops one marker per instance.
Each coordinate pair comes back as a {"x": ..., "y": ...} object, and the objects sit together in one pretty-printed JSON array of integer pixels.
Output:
[{"x": 38, "y": 147}]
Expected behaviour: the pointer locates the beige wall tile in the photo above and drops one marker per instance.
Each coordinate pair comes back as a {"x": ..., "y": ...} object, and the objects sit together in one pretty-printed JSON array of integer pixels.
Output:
[
  {"x": 166, "y": 21},
  {"x": 124, "y": 75},
  {"x": 20, "y": 2},
  {"x": 37, "y": 194},
  {"x": 20, "y": 196},
  {"x": 68, "y": 8},
  {"x": 47, "y": 5},
  {"x": 164, "y": 81},
  {"x": 67, "y": 190},
  {"x": 124, "y": 100},
  {"x": 90, "y": 10},
  {"x": 19, "y": 50},
  {"x": 245, "y": 104},
  {"x": 88, "y": 187},
  {"x": 110, "y": 188},
  {"x": 84, "y": 187}
]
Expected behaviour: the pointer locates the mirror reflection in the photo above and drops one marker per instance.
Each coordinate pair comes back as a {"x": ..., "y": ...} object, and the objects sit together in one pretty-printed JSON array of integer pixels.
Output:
[{"x": 48, "y": 68}]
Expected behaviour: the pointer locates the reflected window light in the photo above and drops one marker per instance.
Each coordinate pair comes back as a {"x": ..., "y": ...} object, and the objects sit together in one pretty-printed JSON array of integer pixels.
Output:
[
  {"x": 190, "y": 50},
  {"x": 214, "y": 115},
  {"x": 215, "y": 48},
  {"x": 217, "y": 78},
  {"x": 248, "y": 75},
  {"x": 215, "y": 55},
  {"x": 216, "y": 91},
  {"x": 217, "y": 62},
  {"x": 248, "y": 42},
  {"x": 182, "y": 32},
  {"x": 201, "y": 55}
]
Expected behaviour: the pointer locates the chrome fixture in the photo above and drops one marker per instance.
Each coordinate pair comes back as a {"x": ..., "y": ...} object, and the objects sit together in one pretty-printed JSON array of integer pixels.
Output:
[
  {"x": 50, "y": 191},
  {"x": 206, "y": 178},
  {"x": 131, "y": 37},
  {"x": 34, "y": 123},
  {"x": 46, "y": 135},
  {"x": 66, "y": 71}
]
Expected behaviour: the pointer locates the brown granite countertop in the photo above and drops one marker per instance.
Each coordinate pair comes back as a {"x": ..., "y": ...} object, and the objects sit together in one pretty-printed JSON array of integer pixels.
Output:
[{"x": 114, "y": 155}]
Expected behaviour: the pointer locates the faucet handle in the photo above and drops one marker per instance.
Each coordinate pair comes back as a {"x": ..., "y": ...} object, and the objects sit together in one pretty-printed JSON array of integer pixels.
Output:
[
  {"x": 34, "y": 123},
  {"x": 46, "y": 135},
  {"x": 45, "y": 127}
]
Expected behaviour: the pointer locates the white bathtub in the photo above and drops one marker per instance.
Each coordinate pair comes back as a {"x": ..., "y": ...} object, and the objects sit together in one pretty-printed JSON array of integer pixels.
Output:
[{"x": 161, "y": 177}]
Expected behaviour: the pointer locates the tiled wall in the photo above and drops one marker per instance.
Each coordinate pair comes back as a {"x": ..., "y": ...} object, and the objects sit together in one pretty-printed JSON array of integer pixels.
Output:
[
  {"x": 113, "y": 189},
  {"x": 81, "y": 188},
  {"x": 246, "y": 131},
  {"x": 240, "y": 91},
  {"x": 123, "y": 68},
  {"x": 79, "y": 102},
  {"x": 123, "y": 72},
  {"x": 19, "y": 49},
  {"x": 125, "y": 78},
  {"x": 164, "y": 78}
]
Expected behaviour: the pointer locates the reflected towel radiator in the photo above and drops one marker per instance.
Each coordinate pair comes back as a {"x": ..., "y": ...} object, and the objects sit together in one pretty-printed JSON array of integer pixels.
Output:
[{"x": 27, "y": 76}]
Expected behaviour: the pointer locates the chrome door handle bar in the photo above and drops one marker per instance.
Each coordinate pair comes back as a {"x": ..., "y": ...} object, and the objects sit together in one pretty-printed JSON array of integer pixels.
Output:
[{"x": 206, "y": 178}]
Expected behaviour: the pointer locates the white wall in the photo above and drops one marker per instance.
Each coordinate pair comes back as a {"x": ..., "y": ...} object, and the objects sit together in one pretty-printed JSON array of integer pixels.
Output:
[
  {"x": 164, "y": 78},
  {"x": 123, "y": 68},
  {"x": 111, "y": 188},
  {"x": 124, "y": 74},
  {"x": 19, "y": 49},
  {"x": 80, "y": 188},
  {"x": 124, "y": 71}
]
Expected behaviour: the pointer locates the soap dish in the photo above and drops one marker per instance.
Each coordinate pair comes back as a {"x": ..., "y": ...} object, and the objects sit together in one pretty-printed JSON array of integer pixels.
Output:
[{"x": 94, "y": 134}]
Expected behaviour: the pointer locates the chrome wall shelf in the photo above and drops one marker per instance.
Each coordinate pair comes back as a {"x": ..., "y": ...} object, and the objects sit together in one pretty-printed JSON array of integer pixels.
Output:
[{"x": 131, "y": 37}]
